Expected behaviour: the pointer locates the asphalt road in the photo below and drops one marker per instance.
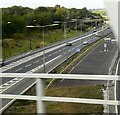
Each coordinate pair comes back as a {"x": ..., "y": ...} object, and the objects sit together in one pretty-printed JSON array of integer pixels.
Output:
[
  {"x": 98, "y": 62},
  {"x": 57, "y": 56},
  {"x": 16, "y": 58}
]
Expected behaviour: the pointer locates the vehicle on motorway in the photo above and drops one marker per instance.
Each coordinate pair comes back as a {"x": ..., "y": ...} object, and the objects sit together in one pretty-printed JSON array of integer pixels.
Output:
[
  {"x": 97, "y": 35},
  {"x": 85, "y": 42},
  {"x": 94, "y": 30},
  {"x": 68, "y": 44}
]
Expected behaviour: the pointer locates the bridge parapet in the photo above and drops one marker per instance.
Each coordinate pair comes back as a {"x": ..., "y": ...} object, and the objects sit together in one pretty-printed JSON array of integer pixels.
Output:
[{"x": 40, "y": 98}]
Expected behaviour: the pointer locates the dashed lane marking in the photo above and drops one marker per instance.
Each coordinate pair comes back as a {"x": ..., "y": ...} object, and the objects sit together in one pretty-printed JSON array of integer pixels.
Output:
[
  {"x": 18, "y": 69},
  {"x": 28, "y": 65}
]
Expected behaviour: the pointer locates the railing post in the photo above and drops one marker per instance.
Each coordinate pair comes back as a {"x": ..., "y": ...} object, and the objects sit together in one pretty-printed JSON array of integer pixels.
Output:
[
  {"x": 0, "y": 98},
  {"x": 40, "y": 93}
]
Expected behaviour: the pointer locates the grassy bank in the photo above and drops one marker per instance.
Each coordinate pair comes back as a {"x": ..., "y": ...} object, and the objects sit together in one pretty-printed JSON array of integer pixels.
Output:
[
  {"x": 92, "y": 92},
  {"x": 56, "y": 107},
  {"x": 12, "y": 47}
]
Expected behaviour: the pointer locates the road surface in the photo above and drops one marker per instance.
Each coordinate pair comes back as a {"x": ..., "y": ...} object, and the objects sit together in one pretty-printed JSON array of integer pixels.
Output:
[
  {"x": 98, "y": 62},
  {"x": 34, "y": 63}
]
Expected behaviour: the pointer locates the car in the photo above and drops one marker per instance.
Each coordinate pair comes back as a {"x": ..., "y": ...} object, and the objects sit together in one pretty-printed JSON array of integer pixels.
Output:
[
  {"x": 68, "y": 44},
  {"x": 97, "y": 35},
  {"x": 94, "y": 30},
  {"x": 85, "y": 42}
]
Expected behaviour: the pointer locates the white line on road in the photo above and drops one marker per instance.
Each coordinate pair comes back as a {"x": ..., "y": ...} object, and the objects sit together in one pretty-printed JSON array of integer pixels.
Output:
[
  {"x": 28, "y": 65},
  {"x": 23, "y": 60},
  {"x": 54, "y": 52},
  {"x": 49, "y": 55},
  {"x": 10, "y": 83},
  {"x": 36, "y": 61},
  {"x": 37, "y": 68},
  {"x": 18, "y": 69},
  {"x": 26, "y": 59}
]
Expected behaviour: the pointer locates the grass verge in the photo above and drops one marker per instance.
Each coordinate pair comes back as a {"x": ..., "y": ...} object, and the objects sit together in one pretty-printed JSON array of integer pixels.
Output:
[
  {"x": 95, "y": 92},
  {"x": 12, "y": 47}
]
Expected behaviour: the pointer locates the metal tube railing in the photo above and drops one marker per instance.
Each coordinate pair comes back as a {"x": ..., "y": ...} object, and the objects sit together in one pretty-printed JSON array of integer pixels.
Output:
[{"x": 40, "y": 98}]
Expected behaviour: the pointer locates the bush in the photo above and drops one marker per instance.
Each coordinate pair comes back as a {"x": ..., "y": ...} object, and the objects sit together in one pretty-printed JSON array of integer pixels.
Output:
[
  {"x": 37, "y": 46},
  {"x": 18, "y": 36}
]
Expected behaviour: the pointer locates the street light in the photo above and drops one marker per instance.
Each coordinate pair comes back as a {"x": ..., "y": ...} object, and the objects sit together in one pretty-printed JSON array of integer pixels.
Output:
[
  {"x": 2, "y": 64},
  {"x": 43, "y": 35},
  {"x": 76, "y": 20},
  {"x": 65, "y": 33},
  {"x": 3, "y": 51}
]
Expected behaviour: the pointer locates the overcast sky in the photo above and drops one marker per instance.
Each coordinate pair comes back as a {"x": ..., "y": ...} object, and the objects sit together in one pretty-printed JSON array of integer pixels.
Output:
[{"x": 90, "y": 4}]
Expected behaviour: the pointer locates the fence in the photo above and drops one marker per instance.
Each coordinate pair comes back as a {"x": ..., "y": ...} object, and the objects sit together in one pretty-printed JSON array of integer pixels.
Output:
[{"x": 40, "y": 98}]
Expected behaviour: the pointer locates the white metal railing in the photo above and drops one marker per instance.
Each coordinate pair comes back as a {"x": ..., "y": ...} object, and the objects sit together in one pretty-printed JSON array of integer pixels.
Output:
[{"x": 40, "y": 98}]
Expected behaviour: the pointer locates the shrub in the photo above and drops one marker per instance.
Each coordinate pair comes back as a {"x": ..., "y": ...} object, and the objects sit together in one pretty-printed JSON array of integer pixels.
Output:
[{"x": 18, "y": 36}]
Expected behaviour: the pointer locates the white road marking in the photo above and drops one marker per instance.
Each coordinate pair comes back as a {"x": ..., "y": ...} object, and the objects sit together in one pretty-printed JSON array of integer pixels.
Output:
[
  {"x": 23, "y": 60},
  {"x": 18, "y": 69},
  {"x": 36, "y": 61},
  {"x": 12, "y": 100},
  {"x": 28, "y": 65},
  {"x": 54, "y": 52},
  {"x": 12, "y": 82},
  {"x": 37, "y": 68},
  {"x": 49, "y": 55}
]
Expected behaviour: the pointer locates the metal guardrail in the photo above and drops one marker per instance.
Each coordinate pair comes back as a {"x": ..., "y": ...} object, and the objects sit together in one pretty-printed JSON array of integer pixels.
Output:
[{"x": 40, "y": 98}]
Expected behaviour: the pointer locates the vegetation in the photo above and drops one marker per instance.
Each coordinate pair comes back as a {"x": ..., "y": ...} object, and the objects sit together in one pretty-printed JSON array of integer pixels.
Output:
[
  {"x": 18, "y": 46},
  {"x": 67, "y": 66},
  {"x": 55, "y": 107},
  {"x": 16, "y": 18},
  {"x": 17, "y": 38},
  {"x": 102, "y": 12},
  {"x": 21, "y": 106}
]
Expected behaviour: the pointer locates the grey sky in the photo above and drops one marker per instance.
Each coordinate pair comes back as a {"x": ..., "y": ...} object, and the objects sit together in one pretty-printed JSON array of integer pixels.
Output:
[{"x": 90, "y": 4}]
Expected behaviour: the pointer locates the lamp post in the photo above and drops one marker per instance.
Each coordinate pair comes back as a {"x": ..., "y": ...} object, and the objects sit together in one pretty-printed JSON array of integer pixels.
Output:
[
  {"x": 76, "y": 21},
  {"x": 65, "y": 33},
  {"x": 2, "y": 64},
  {"x": 43, "y": 35},
  {"x": 3, "y": 51}
]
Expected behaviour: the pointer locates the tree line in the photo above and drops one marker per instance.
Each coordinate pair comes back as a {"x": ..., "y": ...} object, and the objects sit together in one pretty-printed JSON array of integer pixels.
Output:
[{"x": 15, "y": 19}]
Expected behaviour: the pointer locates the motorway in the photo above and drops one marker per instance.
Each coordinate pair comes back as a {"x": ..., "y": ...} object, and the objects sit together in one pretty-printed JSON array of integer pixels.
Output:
[
  {"x": 34, "y": 63},
  {"x": 97, "y": 62},
  {"x": 30, "y": 53}
]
